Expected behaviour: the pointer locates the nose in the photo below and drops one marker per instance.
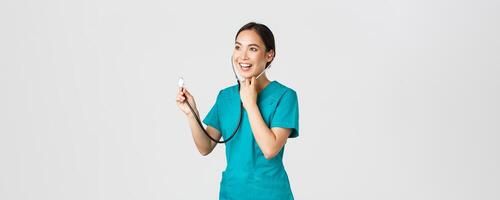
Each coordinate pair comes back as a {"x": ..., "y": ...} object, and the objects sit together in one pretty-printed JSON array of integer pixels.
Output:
[
  {"x": 240, "y": 55},
  {"x": 244, "y": 55}
]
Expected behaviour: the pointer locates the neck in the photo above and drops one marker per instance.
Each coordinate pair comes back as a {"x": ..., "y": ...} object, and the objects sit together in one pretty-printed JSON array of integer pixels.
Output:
[{"x": 262, "y": 82}]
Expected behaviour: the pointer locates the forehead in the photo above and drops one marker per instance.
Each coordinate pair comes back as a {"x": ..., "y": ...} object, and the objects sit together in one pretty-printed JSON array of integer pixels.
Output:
[{"x": 247, "y": 37}]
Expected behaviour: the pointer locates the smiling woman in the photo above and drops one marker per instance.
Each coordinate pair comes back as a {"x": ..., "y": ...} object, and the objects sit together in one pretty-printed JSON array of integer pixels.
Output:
[{"x": 270, "y": 116}]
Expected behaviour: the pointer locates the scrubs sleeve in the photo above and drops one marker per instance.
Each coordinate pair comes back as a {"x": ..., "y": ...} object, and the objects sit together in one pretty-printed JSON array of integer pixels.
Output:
[
  {"x": 212, "y": 118},
  {"x": 287, "y": 113}
]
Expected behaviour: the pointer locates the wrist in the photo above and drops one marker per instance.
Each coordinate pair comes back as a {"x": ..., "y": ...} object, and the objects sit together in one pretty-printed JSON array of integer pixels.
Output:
[
  {"x": 252, "y": 107},
  {"x": 191, "y": 114}
]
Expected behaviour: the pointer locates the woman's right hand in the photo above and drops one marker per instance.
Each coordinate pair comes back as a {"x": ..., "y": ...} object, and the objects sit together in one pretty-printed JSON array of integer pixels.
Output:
[{"x": 182, "y": 103}]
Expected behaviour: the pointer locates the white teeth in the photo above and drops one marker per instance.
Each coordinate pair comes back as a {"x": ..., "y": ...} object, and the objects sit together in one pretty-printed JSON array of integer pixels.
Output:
[{"x": 245, "y": 65}]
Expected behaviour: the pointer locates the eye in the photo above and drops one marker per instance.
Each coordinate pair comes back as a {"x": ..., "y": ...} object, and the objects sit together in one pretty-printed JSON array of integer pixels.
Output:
[
  {"x": 237, "y": 47},
  {"x": 253, "y": 49}
]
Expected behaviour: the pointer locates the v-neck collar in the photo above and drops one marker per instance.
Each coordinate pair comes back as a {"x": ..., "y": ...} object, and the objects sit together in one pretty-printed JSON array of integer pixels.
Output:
[
  {"x": 263, "y": 93},
  {"x": 266, "y": 87},
  {"x": 266, "y": 90}
]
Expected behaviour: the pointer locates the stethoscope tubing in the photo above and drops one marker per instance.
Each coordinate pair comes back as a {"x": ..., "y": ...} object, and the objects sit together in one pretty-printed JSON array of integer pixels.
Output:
[{"x": 241, "y": 110}]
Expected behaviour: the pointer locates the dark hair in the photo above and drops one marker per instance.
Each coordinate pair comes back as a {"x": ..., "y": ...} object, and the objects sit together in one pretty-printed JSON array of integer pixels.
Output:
[{"x": 265, "y": 35}]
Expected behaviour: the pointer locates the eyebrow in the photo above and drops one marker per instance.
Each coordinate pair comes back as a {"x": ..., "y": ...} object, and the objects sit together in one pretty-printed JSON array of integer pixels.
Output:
[{"x": 249, "y": 44}]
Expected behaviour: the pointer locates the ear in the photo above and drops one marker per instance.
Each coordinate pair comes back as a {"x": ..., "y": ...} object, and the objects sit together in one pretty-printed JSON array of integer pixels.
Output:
[{"x": 270, "y": 55}]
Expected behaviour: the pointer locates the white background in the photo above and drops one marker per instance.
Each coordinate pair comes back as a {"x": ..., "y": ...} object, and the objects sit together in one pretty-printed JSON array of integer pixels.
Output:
[{"x": 398, "y": 99}]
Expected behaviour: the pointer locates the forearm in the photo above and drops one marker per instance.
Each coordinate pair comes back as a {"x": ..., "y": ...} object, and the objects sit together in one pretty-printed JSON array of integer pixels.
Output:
[
  {"x": 265, "y": 137},
  {"x": 202, "y": 142}
]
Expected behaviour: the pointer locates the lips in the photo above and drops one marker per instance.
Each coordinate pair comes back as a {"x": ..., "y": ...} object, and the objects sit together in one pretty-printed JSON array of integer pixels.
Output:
[{"x": 245, "y": 66}]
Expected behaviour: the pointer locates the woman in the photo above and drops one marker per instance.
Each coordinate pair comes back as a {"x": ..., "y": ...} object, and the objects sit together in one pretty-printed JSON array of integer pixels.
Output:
[{"x": 270, "y": 116}]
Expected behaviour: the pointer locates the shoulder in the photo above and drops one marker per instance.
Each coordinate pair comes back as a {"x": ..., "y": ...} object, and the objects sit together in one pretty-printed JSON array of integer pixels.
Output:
[
  {"x": 286, "y": 91},
  {"x": 228, "y": 92}
]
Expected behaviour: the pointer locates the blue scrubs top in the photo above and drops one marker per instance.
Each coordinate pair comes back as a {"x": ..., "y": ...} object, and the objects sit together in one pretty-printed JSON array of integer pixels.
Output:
[{"x": 248, "y": 174}]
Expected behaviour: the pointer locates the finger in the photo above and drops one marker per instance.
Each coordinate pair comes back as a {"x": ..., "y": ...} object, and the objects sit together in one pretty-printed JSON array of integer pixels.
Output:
[
  {"x": 253, "y": 80},
  {"x": 186, "y": 92},
  {"x": 180, "y": 97}
]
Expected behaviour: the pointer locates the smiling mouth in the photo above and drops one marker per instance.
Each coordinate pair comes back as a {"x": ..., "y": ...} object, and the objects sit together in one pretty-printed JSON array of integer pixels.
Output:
[{"x": 245, "y": 66}]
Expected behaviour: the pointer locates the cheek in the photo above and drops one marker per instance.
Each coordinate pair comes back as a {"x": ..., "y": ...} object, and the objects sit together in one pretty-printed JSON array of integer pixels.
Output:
[{"x": 258, "y": 57}]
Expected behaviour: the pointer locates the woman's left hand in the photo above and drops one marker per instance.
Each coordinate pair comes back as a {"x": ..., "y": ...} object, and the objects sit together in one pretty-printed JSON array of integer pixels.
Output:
[{"x": 248, "y": 93}]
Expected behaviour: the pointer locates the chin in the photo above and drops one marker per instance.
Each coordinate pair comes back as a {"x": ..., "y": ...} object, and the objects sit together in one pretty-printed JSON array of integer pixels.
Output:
[{"x": 247, "y": 74}]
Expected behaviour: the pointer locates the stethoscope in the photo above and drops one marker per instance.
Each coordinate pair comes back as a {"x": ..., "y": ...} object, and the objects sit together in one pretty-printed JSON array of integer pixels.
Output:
[{"x": 238, "y": 80}]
